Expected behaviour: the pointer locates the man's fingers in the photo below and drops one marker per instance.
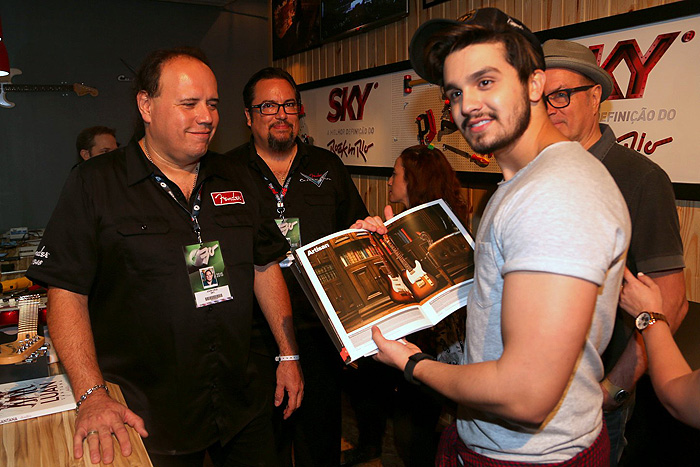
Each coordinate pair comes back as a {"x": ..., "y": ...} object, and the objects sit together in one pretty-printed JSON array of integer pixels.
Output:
[
  {"x": 93, "y": 441},
  {"x": 78, "y": 439},
  {"x": 279, "y": 394},
  {"x": 107, "y": 444},
  {"x": 123, "y": 437},
  {"x": 136, "y": 422},
  {"x": 377, "y": 336}
]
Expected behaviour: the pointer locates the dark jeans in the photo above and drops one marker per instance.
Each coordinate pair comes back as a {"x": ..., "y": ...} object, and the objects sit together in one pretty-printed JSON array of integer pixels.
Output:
[
  {"x": 616, "y": 420},
  {"x": 312, "y": 434},
  {"x": 378, "y": 392}
]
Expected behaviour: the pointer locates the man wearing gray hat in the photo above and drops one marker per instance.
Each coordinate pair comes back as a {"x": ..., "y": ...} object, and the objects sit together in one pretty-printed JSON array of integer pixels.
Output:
[
  {"x": 576, "y": 86},
  {"x": 548, "y": 261}
]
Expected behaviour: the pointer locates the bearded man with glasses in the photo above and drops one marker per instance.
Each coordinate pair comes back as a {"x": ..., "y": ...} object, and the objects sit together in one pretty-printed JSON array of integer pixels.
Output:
[
  {"x": 575, "y": 88},
  {"x": 309, "y": 193}
]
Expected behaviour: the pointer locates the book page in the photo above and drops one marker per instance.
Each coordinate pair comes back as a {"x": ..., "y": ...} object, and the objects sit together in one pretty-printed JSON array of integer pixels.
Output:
[{"x": 404, "y": 281}]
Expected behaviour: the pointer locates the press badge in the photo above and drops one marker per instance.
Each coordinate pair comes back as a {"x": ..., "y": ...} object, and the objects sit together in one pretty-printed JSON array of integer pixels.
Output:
[
  {"x": 207, "y": 273},
  {"x": 291, "y": 230}
]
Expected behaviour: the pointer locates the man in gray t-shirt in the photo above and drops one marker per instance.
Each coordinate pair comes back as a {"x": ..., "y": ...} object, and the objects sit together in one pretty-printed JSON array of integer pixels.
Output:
[{"x": 550, "y": 253}]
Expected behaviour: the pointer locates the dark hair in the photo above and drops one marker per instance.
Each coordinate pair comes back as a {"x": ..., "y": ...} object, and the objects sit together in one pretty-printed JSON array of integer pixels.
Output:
[
  {"x": 86, "y": 138},
  {"x": 520, "y": 53},
  {"x": 429, "y": 176},
  {"x": 148, "y": 76},
  {"x": 267, "y": 73}
]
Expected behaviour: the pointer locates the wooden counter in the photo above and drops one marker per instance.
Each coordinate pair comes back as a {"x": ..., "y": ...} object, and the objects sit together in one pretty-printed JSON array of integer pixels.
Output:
[{"x": 48, "y": 442}]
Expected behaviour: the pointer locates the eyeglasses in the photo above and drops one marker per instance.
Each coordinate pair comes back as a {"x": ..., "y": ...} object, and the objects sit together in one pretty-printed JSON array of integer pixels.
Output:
[
  {"x": 271, "y": 108},
  {"x": 562, "y": 97}
]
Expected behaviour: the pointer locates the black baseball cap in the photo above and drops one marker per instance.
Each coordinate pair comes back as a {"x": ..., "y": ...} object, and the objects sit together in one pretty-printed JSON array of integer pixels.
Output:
[{"x": 489, "y": 18}]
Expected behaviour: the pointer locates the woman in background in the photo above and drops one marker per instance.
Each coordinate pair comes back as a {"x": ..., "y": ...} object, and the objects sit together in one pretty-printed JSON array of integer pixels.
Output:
[
  {"x": 676, "y": 385},
  {"x": 421, "y": 174}
]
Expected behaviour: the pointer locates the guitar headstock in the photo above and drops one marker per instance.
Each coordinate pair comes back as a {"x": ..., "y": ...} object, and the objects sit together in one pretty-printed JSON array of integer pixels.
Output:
[{"x": 81, "y": 90}]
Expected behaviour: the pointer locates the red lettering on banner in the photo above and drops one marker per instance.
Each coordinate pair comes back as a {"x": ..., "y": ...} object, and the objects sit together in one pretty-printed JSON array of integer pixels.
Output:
[
  {"x": 221, "y": 198},
  {"x": 341, "y": 103},
  {"x": 639, "y": 65}
]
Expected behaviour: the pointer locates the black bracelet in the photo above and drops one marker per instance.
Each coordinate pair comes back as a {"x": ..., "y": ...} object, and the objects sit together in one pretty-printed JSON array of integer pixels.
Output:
[{"x": 411, "y": 365}]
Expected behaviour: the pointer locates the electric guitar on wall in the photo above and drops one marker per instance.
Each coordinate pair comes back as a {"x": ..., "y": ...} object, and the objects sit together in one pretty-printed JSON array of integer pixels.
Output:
[
  {"x": 7, "y": 86},
  {"x": 29, "y": 344},
  {"x": 418, "y": 281}
]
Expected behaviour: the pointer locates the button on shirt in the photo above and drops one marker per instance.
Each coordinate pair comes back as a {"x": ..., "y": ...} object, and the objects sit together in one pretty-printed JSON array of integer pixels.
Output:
[
  {"x": 321, "y": 194},
  {"x": 118, "y": 237}
]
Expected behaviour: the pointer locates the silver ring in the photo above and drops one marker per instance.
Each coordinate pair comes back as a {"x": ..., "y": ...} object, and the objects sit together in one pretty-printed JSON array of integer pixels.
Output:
[{"x": 92, "y": 432}]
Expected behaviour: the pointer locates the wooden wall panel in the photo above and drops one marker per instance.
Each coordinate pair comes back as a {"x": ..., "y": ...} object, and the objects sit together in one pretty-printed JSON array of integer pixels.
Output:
[
  {"x": 689, "y": 212},
  {"x": 389, "y": 44}
]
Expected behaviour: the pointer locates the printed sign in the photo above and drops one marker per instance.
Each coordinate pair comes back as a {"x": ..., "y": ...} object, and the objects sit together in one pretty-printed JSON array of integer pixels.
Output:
[{"x": 369, "y": 121}]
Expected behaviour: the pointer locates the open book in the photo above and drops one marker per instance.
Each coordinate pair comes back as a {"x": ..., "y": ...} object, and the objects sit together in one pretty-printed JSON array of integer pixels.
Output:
[{"x": 409, "y": 279}]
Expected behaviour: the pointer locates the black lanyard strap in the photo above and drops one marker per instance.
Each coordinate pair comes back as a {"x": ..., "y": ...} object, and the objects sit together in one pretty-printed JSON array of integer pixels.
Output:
[{"x": 195, "y": 207}]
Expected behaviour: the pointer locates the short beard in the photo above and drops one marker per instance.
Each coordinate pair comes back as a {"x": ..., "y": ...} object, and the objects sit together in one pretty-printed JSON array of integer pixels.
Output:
[
  {"x": 522, "y": 122},
  {"x": 280, "y": 145}
]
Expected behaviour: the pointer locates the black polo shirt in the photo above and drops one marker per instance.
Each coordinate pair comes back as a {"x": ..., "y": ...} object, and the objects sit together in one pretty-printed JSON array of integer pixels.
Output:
[
  {"x": 118, "y": 237},
  {"x": 321, "y": 194}
]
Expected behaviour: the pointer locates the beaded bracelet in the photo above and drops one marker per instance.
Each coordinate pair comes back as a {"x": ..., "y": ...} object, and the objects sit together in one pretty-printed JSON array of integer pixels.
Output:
[
  {"x": 88, "y": 392},
  {"x": 286, "y": 358}
]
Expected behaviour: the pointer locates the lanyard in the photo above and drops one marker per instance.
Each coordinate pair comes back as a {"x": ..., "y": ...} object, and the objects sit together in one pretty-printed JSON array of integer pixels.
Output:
[
  {"x": 279, "y": 195},
  {"x": 195, "y": 208}
]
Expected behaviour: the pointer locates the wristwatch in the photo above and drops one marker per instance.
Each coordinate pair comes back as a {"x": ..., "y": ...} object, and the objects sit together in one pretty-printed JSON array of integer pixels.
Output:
[
  {"x": 617, "y": 394},
  {"x": 647, "y": 318},
  {"x": 411, "y": 365}
]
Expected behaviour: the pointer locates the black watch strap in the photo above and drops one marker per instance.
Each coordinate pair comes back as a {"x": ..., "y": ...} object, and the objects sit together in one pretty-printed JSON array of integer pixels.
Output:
[{"x": 411, "y": 365}]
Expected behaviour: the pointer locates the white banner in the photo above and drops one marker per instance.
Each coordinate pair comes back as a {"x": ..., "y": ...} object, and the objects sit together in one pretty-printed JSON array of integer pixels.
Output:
[
  {"x": 367, "y": 122},
  {"x": 652, "y": 108},
  {"x": 352, "y": 120}
]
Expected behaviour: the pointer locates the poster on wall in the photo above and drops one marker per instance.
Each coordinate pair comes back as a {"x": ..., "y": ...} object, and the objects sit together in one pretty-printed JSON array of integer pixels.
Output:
[
  {"x": 296, "y": 26},
  {"x": 352, "y": 119},
  {"x": 368, "y": 120}
]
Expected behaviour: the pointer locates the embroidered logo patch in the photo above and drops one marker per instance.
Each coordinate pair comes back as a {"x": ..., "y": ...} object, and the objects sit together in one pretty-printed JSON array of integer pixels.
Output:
[
  {"x": 221, "y": 198},
  {"x": 316, "y": 179}
]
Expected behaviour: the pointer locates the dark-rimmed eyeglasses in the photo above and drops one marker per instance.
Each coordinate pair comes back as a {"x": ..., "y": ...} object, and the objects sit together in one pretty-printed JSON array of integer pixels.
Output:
[
  {"x": 271, "y": 108},
  {"x": 562, "y": 97}
]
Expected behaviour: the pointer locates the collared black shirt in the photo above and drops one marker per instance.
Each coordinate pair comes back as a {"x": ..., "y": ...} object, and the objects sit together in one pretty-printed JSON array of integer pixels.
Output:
[
  {"x": 656, "y": 243},
  {"x": 118, "y": 237},
  {"x": 321, "y": 194}
]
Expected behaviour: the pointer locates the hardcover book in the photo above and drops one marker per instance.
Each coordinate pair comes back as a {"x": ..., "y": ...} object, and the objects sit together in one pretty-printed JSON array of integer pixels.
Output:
[
  {"x": 35, "y": 397},
  {"x": 406, "y": 280}
]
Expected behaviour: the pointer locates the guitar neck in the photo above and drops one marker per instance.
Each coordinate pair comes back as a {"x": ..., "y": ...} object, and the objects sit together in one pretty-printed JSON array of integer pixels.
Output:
[
  {"x": 28, "y": 315},
  {"x": 399, "y": 256},
  {"x": 37, "y": 87}
]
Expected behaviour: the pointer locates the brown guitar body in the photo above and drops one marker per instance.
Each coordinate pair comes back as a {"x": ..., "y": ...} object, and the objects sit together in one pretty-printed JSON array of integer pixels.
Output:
[{"x": 398, "y": 291}]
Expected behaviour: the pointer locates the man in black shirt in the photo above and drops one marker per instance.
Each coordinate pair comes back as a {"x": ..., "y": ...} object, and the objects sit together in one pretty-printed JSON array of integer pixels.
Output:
[
  {"x": 309, "y": 193},
  {"x": 122, "y": 256},
  {"x": 576, "y": 86}
]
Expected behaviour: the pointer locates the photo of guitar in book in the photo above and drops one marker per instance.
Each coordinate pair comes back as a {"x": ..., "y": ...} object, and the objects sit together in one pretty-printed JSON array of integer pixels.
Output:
[
  {"x": 418, "y": 281},
  {"x": 404, "y": 281},
  {"x": 398, "y": 291}
]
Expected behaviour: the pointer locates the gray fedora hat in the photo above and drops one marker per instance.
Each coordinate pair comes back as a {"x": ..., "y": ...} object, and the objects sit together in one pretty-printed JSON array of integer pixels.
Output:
[
  {"x": 577, "y": 57},
  {"x": 490, "y": 18}
]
